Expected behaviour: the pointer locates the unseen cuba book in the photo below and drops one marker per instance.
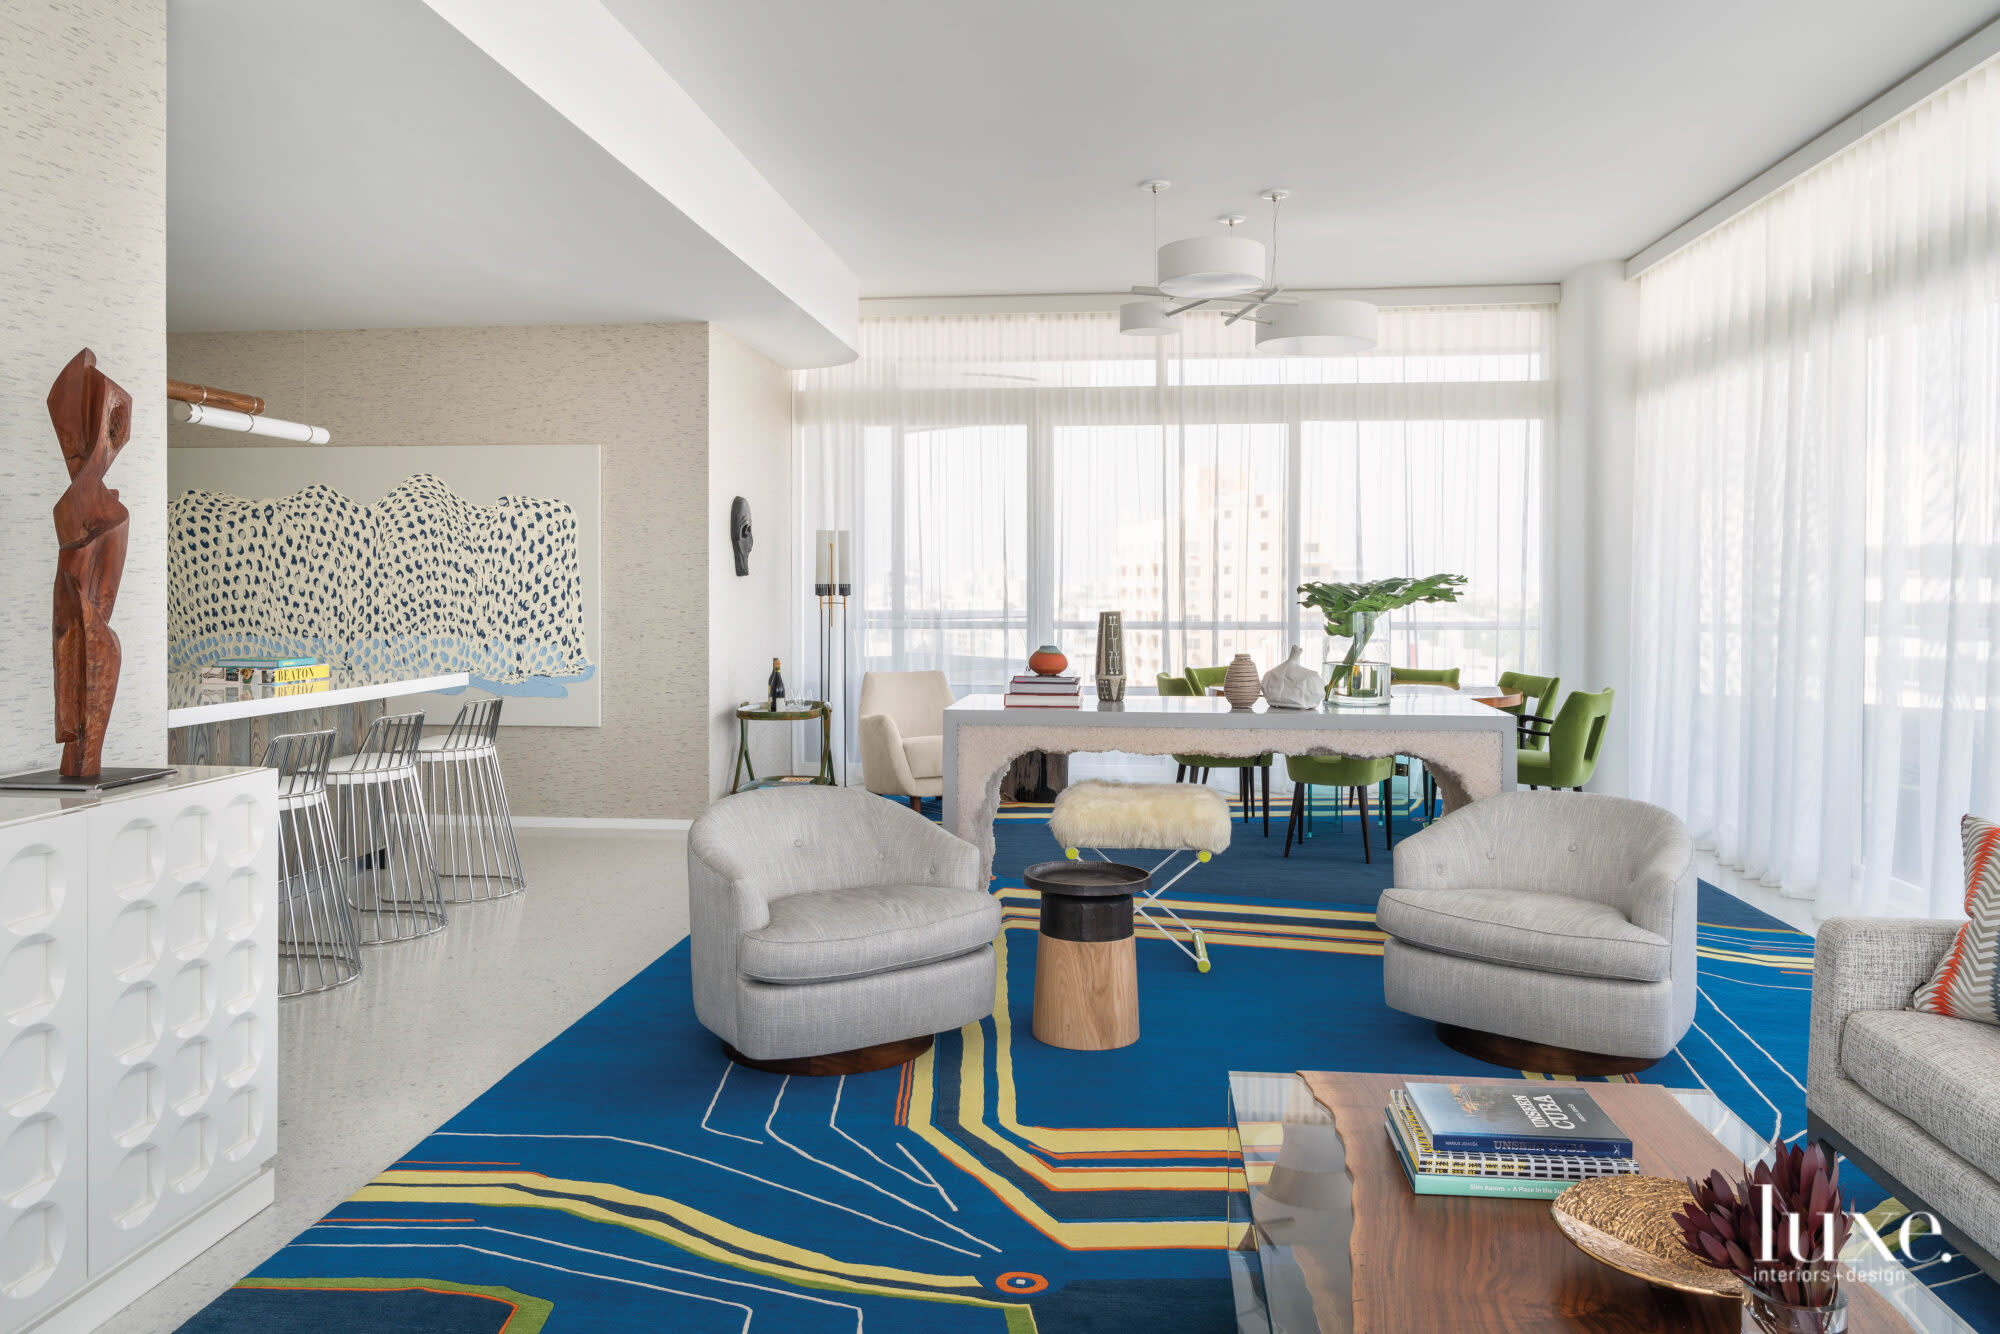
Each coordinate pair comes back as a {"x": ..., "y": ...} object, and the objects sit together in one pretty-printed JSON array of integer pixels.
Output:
[{"x": 1492, "y": 1118}]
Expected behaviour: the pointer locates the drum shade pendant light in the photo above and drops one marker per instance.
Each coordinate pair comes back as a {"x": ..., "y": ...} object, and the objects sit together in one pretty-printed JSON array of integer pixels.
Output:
[
  {"x": 1207, "y": 267},
  {"x": 1230, "y": 268},
  {"x": 1149, "y": 319},
  {"x": 1317, "y": 329},
  {"x": 1325, "y": 328}
]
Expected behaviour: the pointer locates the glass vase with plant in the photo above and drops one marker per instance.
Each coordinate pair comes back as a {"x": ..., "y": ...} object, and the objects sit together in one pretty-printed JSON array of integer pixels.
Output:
[
  {"x": 1351, "y": 612},
  {"x": 1780, "y": 1230}
]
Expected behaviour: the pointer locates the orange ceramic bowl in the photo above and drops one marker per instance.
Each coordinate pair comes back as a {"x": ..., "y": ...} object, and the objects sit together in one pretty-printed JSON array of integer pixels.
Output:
[{"x": 1047, "y": 661}]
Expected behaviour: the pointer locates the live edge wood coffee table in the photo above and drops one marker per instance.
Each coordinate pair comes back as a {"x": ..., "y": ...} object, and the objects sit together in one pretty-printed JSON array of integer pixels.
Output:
[{"x": 1337, "y": 1240}]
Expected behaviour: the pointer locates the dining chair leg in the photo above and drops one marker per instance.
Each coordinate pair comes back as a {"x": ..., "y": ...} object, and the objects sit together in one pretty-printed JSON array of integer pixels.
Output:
[
  {"x": 1388, "y": 813},
  {"x": 1180, "y": 773},
  {"x": 1265, "y": 770},
  {"x": 1298, "y": 805},
  {"x": 917, "y": 805},
  {"x": 1366, "y": 854},
  {"x": 1246, "y": 792}
]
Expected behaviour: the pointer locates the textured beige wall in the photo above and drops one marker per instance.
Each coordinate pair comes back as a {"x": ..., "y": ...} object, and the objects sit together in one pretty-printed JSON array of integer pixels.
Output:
[
  {"x": 640, "y": 392},
  {"x": 750, "y": 616},
  {"x": 83, "y": 227}
]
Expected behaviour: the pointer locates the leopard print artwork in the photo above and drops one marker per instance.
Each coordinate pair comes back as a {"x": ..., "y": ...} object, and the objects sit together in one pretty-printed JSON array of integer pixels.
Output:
[{"x": 419, "y": 582}]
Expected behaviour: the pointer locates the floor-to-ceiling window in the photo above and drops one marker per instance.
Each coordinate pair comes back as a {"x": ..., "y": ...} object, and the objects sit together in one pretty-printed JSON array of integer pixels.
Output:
[
  {"x": 1007, "y": 478},
  {"x": 1817, "y": 557}
]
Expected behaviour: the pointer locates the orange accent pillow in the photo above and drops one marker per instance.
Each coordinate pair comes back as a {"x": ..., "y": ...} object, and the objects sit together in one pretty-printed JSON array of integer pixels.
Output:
[{"x": 1967, "y": 982}]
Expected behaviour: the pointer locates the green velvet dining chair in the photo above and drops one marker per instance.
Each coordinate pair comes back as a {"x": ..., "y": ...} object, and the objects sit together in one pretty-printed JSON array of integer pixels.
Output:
[
  {"x": 1249, "y": 768},
  {"x": 1574, "y": 736},
  {"x": 1426, "y": 676},
  {"x": 1538, "y": 694},
  {"x": 1339, "y": 772},
  {"x": 1201, "y": 678}
]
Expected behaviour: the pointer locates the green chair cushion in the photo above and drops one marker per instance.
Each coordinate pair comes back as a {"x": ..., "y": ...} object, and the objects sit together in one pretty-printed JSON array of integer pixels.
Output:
[{"x": 1339, "y": 770}]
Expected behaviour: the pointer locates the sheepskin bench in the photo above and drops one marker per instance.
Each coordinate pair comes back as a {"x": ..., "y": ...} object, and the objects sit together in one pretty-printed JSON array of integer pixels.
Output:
[
  {"x": 1168, "y": 817},
  {"x": 1161, "y": 817}
]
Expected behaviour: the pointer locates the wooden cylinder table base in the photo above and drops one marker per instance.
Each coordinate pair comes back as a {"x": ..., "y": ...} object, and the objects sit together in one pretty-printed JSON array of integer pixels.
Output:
[{"x": 1086, "y": 971}]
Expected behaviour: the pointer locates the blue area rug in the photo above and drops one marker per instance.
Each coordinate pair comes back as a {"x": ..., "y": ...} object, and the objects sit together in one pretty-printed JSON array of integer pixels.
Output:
[{"x": 627, "y": 1178}]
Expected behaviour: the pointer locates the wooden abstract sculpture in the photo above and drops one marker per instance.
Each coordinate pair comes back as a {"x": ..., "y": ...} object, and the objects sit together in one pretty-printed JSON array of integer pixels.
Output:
[{"x": 93, "y": 420}]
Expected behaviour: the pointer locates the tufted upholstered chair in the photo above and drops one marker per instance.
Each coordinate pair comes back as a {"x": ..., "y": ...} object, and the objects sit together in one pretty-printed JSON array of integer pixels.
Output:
[
  {"x": 825, "y": 920},
  {"x": 1563, "y": 920}
]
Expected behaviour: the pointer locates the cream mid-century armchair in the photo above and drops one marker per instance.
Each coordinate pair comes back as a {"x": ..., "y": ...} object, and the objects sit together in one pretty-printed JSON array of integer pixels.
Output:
[{"x": 902, "y": 733}]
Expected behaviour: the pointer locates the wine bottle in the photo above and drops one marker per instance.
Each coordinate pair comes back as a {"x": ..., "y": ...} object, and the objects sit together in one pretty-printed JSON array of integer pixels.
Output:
[{"x": 777, "y": 686}]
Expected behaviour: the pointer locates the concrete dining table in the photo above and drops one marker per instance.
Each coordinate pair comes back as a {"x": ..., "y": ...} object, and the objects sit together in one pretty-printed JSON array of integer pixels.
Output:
[{"x": 1467, "y": 745}]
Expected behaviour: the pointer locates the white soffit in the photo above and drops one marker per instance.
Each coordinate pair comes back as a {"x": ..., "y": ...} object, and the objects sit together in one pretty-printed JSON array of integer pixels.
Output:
[{"x": 384, "y": 164}]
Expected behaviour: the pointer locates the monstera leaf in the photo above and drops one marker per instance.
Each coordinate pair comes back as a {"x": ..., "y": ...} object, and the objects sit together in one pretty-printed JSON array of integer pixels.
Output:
[{"x": 1351, "y": 609}]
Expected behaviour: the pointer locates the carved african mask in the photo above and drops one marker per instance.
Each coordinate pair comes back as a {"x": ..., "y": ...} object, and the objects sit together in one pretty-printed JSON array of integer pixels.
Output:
[{"x": 739, "y": 533}]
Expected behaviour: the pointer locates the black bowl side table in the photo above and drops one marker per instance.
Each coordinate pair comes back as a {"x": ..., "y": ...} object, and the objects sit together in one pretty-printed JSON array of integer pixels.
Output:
[{"x": 1086, "y": 971}]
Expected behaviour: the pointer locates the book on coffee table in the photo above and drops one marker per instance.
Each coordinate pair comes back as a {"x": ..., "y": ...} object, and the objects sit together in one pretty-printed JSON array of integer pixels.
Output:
[
  {"x": 1498, "y": 1118},
  {"x": 1426, "y": 1157},
  {"x": 1440, "y": 1183}
]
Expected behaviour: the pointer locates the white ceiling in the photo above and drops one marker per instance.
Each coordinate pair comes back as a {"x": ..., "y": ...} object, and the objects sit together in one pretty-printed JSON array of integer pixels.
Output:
[
  {"x": 363, "y": 164},
  {"x": 956, "y": 148}
]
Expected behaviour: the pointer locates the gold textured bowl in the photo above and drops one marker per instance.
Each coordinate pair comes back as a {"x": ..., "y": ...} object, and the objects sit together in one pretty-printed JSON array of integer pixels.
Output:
[{"x": 1627, "y": 1222}]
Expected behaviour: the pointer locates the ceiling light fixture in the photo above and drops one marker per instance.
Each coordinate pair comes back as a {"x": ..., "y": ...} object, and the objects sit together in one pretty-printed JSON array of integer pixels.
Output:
[
  {"x": 1149, "y": 319},
  {"x": 1230, "y": 268},
  {"x": 1208, "y": 267}
]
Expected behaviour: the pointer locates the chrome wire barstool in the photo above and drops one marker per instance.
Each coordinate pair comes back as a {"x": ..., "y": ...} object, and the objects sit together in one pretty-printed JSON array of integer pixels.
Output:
[
  {"x": 386, "y": 834},
  {"x": 471, "y": 826},
  {"x": 318, "y": 947}
]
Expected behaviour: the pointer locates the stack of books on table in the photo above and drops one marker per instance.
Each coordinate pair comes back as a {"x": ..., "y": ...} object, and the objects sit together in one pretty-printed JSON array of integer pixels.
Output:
[
  {"x": 1486, "y": 1139},
  {"x": 230, "y": 680},
  {"x": 1031, "y": 691}
]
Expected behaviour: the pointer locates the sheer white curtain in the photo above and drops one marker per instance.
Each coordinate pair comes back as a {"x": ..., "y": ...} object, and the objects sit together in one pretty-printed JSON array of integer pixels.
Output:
[
  {"x": 1008, "y": 477},
  {"x": 1819, "y": 506}
]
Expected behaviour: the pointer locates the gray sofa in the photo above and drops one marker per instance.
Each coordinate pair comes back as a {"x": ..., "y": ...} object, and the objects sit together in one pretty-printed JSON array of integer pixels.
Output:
[
  {"x": 824, "y": 920},
  {"x": 1561, "y": 919},
  {"x": 1913, "y": 1098}
]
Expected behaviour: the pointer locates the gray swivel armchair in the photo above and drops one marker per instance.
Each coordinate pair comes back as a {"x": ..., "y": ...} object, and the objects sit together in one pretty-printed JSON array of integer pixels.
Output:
[
  {"x": 1549, "y": 931},
  {"x": 833, "y": 931}
]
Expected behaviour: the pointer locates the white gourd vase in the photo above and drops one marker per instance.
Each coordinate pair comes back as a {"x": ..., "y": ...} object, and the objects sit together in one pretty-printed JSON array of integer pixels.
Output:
[{"x": 1291, "y": 685}]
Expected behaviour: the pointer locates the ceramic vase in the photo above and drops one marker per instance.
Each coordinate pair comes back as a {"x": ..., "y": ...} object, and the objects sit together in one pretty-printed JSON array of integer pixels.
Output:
[
  {"x": 1291, "y": 685},
  {"x": 1239, "y": 684},
  {"x": 1048, "y": 660},
  {"x": 1110, "y": 656}
]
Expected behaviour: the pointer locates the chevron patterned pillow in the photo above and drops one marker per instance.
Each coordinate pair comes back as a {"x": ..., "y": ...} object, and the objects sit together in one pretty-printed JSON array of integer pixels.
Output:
[{"x": 1967, "y": 983}]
